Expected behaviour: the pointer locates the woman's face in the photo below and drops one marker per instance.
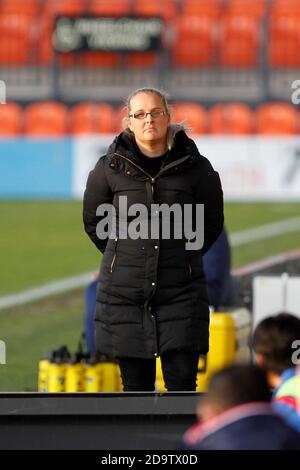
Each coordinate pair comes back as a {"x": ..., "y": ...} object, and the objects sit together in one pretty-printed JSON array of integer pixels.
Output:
[{"x": 150, "y": 129}]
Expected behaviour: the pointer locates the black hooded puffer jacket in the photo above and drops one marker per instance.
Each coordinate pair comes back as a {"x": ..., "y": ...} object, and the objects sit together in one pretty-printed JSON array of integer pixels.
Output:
[{"x": 152, "y": 296}]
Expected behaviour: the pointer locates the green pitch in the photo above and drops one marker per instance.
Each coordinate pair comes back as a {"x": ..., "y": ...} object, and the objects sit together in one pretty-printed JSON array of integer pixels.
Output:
[{"x": 44, "y": 241}]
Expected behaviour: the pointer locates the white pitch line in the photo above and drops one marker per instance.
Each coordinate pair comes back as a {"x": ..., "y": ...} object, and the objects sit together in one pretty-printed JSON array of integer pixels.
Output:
[
  {"x": 263, "y": 232},
  {"x": 243, "y": 237},
  {"x": 46, "y": 290}
]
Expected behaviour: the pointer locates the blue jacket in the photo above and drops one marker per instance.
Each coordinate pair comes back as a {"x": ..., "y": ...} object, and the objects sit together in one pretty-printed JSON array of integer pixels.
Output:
[
  {"x": 253, "y": 426},
  {"x": 216, "y": 265},
  {"x": 90, "y": 305}
]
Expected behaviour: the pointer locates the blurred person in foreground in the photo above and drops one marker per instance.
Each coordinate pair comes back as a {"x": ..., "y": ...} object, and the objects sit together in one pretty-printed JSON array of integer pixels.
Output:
[
  {"x": 151, "y": 298},
  {"x": 235, "y": 414},
  {"x": 274, "y": 342}
]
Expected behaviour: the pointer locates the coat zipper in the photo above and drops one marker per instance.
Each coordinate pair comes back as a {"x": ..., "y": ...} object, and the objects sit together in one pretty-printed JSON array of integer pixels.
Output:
[
  {"x": 135, "y": 164},
  {"x": 114, "y": 257},
  {"x": 152, "y": 180}
]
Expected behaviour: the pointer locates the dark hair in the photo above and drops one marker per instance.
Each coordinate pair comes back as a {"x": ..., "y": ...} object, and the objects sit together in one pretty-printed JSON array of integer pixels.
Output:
[
  {"x": 237, "y": 385},
  {"x": 273, "y": 338}
]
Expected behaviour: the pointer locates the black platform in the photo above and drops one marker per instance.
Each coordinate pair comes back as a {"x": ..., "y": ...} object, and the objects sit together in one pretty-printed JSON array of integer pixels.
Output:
[{"x": 96, "y": 421}]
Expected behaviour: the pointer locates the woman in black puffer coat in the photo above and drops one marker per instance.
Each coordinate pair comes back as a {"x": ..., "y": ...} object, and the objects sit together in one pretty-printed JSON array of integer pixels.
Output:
[{"x": 152, "y": 297}]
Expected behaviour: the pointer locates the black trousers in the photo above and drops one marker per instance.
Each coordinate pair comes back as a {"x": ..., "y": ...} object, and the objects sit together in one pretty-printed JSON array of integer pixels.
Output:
[{"x": 179, "y": 369}]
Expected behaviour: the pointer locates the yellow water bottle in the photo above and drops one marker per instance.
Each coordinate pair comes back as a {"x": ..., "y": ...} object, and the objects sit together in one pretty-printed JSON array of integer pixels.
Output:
[
  {"x": 57, "y": 370},
  {"x": 56, "y": 376},
  {"x": 110, "y": 376},
  {"x": 43, "y": 374},
  {"x": 92, "y": 375},
  {"x": 74, "y": 375}
]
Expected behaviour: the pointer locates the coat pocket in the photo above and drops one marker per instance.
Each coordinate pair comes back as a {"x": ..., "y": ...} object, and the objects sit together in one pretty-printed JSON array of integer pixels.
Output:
[{"x": 194, "y": 264}]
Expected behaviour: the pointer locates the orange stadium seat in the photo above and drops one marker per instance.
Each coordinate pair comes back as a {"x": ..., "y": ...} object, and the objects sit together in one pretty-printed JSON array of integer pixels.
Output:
[
  {"x": 110, "y": 7},
  {"x": 212, "y": 8},
  {"x": 29, "y": 8},
  {"x": 163, "y": 8},
  {"x": 46, "y": 119},
  {"x": 233, "y": 118},
  {"x": 277, "y": 119},
  {"x": 192, "y": 115},
  {"x": 284, "y": 40},
  {"x": 195, "y": 41},
  {"x": 90, "y": 118},
  {"x": 240, "y": 40},
  {"x": 65, "y": 7},
  {"x": 254, "y": 8},
  {"x": 17, "y": 34},
  {"x": 284, "y": 7},
  {"x": 10, "y": 120}
]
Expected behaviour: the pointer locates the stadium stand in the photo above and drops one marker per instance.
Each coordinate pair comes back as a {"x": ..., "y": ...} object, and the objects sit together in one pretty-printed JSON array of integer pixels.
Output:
[
  {"x": 292, "y": 7},
  {"x": 17, "y": 33},
  {"x": 195, "y": 42},
  {"x": 250, "y": 8},
  {"x": 240, "y": 41},
  {"x": 236, "y": 118},
  {"x": 113, "y": 7},
  {"x": 64, "y": 7},
  {"x": 211, "y": 8},
  {"x": 165, "y": 9},
  {"x": 211, "y": 50},
  {"x": 29, "y": 8},
  {"x": 284, "y": 40}
]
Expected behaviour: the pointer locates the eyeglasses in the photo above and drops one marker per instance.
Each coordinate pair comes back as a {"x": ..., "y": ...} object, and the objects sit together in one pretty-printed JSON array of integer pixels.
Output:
[{"x": 142, "y": 114}]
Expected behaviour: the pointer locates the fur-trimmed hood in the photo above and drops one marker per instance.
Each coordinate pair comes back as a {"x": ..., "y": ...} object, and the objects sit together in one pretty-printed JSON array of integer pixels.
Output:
[{"x": 179, "y": 144}]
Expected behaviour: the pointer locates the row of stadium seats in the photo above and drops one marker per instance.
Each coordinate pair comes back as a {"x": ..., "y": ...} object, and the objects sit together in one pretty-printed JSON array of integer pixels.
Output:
[
  {"x": 168, "y": 9},
  {"x": 56, "y": 119},
  {"x": 204, "y": 32}
]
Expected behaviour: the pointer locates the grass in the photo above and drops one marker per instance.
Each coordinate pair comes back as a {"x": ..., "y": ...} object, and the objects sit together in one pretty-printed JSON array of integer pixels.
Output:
[
  {"x": 31, "y": 331},
  {"x": 43, "y": 241},
  {"x": 242, "y": 216}
]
